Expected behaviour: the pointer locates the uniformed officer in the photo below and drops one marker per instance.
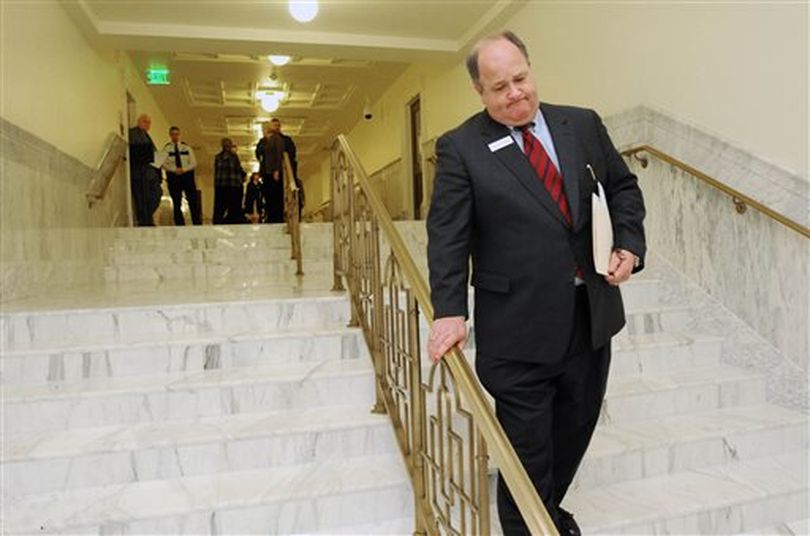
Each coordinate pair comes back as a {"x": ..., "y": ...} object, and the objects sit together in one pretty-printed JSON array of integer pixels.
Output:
[{"x": 178, "y": 160}]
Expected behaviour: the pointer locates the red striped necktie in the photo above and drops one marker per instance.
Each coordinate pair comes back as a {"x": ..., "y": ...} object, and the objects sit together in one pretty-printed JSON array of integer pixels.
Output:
[
  {"x": 548, "y": 174},
  {"x": 546, "y": 171}
]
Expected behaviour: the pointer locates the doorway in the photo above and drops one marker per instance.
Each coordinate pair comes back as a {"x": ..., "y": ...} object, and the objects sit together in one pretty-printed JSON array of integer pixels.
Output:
[{"x": 415, "y": 124}]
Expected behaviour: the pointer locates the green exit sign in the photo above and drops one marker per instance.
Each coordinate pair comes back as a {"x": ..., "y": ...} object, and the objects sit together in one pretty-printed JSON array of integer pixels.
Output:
[{"x": 157, "y": 77}]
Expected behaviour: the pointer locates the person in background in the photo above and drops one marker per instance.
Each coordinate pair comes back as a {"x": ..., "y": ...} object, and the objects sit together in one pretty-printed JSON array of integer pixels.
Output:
[
  {"x": 253, "y": 198},
  {"x": 178, "y": 160},
  {"x": 144, "y": 174},
  {"x": 289, "y": 147},
  {"x": 270, "y": 154},
  {"x": 228, "y": 179}
]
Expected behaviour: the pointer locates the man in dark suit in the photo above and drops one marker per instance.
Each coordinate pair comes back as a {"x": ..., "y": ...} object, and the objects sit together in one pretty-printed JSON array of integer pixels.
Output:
[
  {"x": 543, "y": 316},
  {"x": 144, "y": 176},
  {"x": 290, "y": 149},
  {"x": 270, "y": 154}
]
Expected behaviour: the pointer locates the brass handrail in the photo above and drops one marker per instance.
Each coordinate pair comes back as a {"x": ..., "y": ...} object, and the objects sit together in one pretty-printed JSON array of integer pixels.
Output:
[
  {"x": 292, "y": 213},
  {"x": 115, "y": 152},
  {"x": 740, "y": 200},
  {"x": 445, "y": 450}
]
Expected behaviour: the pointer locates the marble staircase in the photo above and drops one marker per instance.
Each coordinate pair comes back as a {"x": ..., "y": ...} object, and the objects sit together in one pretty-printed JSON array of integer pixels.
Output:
[{"x": 205, "y": 389}]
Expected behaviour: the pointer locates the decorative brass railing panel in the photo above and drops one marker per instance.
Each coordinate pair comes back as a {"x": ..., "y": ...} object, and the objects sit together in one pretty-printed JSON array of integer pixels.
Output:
[{"x": 444, "y": 424}]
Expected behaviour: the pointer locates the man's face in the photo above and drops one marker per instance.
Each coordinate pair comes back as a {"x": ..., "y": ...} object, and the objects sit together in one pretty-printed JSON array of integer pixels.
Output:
[
  {"x": 175, "y": 136},
  {"x": 227, "y": 145},
  {"x": 144, "y": 122},
  {"x": 275, "y": 126},
  {"x": 506, "y": 85}
]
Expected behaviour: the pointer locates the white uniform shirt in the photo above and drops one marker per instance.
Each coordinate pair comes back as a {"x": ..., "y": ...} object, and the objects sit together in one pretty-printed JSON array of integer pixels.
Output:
[{"x": 165, "y": 157}]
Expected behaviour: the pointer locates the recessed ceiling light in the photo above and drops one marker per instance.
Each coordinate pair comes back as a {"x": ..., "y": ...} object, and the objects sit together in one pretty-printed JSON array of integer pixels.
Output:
[
  {"x": 278, "y": 60},
  {"x": 303, "y": 10}
]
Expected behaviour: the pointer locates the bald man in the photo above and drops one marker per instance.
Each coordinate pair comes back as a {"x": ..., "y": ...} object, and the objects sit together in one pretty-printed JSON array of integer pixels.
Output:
[
  {"x": 144, "y": 175},
  {"x": 513, "y": 192}
]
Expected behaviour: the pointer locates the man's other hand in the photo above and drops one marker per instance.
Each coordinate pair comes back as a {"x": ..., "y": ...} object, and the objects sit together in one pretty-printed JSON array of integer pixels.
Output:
[
  {"x": 620, "y": 267},
  {"x": 446, "y": 333}
]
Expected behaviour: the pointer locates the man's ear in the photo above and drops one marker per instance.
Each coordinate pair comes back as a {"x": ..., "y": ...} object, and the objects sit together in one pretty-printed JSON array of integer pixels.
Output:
[{"x": 478, "y": 88}]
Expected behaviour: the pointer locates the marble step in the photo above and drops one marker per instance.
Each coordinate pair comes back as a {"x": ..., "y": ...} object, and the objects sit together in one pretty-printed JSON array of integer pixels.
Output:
[
  {"x": 642, "y": 355},
  {"x": 252, "y": 348},
  {"x": 128, "y": 401},
  {"x": 147, "y": 245},
  {"x": 102, "y": 402},
  {"x": 649, "y": 448},
  {"x": 656, "y": 353},
  {"x": 654, "y": 396},
  {"x": 217, "y": 231},
  {"x": 724, "y": 499},
  {"x": 88, "y": 457},
  {"x": 285, "y": 500},
  {"x": 52, "y": 329},
  {"x": 235, "y": 268},
  {"x": 217, "y": 256}
]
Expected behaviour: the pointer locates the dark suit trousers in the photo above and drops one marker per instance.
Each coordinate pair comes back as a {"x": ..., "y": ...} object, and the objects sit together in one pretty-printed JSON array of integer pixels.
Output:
[
  {"x": 549, "y": 413},
  {"x": 228, "y": 205},
  {"x": 273, "y": 199},
  {"x": 179, "y": 184}
]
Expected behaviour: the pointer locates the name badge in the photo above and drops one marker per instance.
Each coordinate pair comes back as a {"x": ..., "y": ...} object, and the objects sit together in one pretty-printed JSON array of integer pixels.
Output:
[{"x": 497, "y": 145}]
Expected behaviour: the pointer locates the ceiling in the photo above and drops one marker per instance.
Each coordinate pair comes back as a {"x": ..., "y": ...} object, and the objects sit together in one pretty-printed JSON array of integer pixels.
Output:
[
  {"x": 212, "y": 96},
  {"x": 216, "y": 53}
]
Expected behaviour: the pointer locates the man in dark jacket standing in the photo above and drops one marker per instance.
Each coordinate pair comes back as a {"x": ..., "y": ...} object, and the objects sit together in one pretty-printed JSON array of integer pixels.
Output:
[
  {"x": 270, "y": 154},
  {"x": 513, "y": 191},
  {"x": 143, "y": 175},
  {"x": 228, "y": 180},
  {"x": 290, "y": 149}
]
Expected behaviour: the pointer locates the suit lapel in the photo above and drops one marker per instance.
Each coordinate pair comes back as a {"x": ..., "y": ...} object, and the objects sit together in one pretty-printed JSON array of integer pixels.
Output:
[
  {"x": 515, "y": 161},
  {"x": 568, "y": 155}
]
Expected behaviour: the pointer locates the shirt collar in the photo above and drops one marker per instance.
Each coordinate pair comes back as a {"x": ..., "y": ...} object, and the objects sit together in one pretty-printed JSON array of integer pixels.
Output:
[{"x": 537, "y": 124}]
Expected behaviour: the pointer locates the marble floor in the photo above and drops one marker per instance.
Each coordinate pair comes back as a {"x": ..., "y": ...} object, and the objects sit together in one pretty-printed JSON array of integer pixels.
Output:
[{"x": 170, "y": 397}]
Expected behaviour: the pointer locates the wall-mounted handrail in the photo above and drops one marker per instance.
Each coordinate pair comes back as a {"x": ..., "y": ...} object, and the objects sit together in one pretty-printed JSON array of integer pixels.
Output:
[
  {"x": 115, "y": 152},
  {"x": 444, "y": 424},
  {"x": 292, "y": 213},
  {"x": 741, "y": 201}
]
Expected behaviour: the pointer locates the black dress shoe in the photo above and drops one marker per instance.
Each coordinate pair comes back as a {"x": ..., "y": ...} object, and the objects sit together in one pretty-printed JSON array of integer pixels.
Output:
[{"x": 568, "y": 527}]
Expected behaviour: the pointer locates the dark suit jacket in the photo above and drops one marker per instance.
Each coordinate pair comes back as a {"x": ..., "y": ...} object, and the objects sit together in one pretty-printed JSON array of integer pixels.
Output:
[
  {"x": 491, "y": 205},
  {"x": 270, "y": 154}
]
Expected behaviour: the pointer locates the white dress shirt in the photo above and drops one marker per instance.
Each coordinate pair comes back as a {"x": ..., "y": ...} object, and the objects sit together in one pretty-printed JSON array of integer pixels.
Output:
[{"x": 165, "y": 157}]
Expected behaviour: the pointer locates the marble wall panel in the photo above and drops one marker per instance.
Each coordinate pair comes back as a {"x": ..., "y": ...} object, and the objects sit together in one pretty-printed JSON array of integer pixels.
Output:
[{"x": 49, "y": 235}]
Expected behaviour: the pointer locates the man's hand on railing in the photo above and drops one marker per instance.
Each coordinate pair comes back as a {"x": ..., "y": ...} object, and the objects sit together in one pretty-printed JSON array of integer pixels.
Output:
[{"x": 446, "y": 333}]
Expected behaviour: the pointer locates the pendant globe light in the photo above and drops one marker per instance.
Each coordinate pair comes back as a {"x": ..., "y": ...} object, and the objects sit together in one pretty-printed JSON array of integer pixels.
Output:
[{"x": 304, "y": 10}]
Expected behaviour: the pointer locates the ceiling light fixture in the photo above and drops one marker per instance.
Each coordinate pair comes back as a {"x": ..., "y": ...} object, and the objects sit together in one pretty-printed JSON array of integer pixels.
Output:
[
  {"x": 271, "y": 101},
  {"x": 303, "y": 10},
  {"x": 278, "y": 60}
]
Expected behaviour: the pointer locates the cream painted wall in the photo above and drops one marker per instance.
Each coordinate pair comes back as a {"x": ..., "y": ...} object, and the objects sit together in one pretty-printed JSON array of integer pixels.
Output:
[
  {"x": 739, "y": 71},
  {"x": 60, "y": 88}
]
